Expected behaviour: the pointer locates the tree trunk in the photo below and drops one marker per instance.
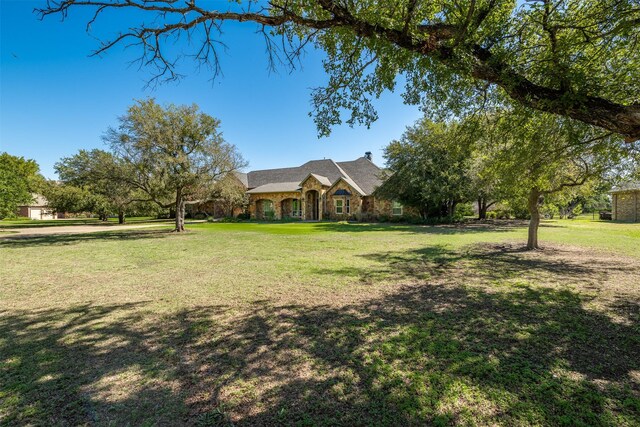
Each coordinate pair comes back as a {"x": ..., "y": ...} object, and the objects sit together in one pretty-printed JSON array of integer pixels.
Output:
[
  {"x": 534, "y": 223},
  {"x": 482, "y": 208},
  {"x": 452, "y": 208},
  {"x": 180, "y": 208},
  {"x": 121, "y": 217}
]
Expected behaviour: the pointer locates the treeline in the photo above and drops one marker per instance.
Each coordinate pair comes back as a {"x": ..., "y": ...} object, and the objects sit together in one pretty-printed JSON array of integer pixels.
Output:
[
  {"x": 159, "y": 158},
  {"x": 525, "y": 163},
  {"x": 20, "y": 178}
]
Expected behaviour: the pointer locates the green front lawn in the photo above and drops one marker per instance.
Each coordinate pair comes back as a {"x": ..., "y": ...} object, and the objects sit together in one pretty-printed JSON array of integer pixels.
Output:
[
  {"x": 323, "y": 324},
  {"x": 28, "y": 223}
]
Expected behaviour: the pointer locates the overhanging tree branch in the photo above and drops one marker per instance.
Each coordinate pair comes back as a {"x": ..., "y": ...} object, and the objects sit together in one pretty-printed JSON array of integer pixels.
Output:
[{"x": 444, "y": 43}]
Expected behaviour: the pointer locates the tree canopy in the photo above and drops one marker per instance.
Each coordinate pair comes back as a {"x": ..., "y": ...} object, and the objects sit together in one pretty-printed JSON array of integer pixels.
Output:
[
  {"x": 174, "y": 155},
  {"x": 19, "y": 179},
  {"x": 573, "y": 58},
  {"x": 69, "y": 198},
  {"x": 509, "y": 155},
  {"x": 428, "y": 169},
  {"x": 102, "y": 174}
]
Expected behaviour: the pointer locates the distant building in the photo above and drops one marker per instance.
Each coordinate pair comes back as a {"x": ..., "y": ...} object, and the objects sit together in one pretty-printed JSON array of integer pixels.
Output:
[
  {"x": 38, "y": 209},
  {"x": 625, "y": 203}
]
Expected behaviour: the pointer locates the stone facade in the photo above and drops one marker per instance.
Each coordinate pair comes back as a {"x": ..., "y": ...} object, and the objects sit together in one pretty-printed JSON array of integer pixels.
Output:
[
  {"x": 354, "y": 199},
  {"x": 313, "y": 199},
  {"x": 216, "y": 209},
  {"x": 626, "y": 206},
  {"x": 281, "y": 203},
  {"x": 316, "y": 201}
]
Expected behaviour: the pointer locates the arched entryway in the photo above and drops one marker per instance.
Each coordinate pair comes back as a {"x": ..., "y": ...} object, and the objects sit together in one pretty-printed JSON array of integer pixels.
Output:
[
  {"x": 312, "y": 205},
  {"x": 265, "y": 209},
  {"x": 291, "y": 208}
]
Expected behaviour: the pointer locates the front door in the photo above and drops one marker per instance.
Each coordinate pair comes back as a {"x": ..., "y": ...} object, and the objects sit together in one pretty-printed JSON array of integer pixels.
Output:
[{"x": 312, "y": 205}]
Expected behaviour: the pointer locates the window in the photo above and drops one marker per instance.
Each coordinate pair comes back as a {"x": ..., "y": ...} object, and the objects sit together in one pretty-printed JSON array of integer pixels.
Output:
[
  {"x": 339, "y": 206},
  {"x": 267, "y": 208},
  {"x": 396, "y": 208},
  {"x": 348, "y": 206},
  {"x": 294, "y": 207}
]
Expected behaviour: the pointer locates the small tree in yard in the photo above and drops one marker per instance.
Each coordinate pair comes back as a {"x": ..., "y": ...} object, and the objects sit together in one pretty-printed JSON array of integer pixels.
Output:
[
  {"x": 102, "y": 174},
  {"x": 173, "y": 155},
  {"x": 231, "y": 194},
  {"x": 65, "y": 197}
]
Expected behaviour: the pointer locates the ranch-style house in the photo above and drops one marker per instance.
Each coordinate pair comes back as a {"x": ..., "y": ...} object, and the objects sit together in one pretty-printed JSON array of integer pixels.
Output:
[{"x": 317, "y": 190}]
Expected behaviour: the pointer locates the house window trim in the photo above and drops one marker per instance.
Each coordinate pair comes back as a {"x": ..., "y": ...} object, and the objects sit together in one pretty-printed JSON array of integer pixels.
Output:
[
  {"x": 393, "y": 208},
  {"x": 348, "y": 206},
  {"x": 341, "y": 206}
]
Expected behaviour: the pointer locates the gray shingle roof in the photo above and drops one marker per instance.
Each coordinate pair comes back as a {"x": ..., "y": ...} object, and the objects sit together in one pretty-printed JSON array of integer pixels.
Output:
[
  {"x": 276, "y": 187},
  {"x": 242, "y": 177},
  {"x": 325, "y": 167},
  {"x": 364, "y": 173},
  {"x": 627, "y": 186},
  {"x": 361, "y": 174}
]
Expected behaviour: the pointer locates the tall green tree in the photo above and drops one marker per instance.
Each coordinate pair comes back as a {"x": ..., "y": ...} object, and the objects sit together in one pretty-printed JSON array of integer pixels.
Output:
[
  {"x": 428, "y": 169},
  {"x": 102, "y": 174},
  {"x": 539, "y": 155},
  {"x": 573, "y": 58},
  {"x": 66, "y": 197},
  {"x": 19, "y": 179},
  {"x": 174, "y": 155}
]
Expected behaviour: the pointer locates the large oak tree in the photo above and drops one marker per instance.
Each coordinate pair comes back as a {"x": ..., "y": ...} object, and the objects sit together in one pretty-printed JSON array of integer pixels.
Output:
[
  {"x": 573, "y": 58},
  {"x": 537, "y": 155},
  {"x": 175, "y": 156}
]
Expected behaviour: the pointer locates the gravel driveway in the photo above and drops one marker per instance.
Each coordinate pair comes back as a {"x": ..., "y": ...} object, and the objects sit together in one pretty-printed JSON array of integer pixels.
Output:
[{"x": 68, "y": 229}]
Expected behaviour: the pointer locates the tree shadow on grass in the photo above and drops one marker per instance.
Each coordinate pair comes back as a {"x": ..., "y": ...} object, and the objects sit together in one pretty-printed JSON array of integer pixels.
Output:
[
  {"x": 422, "y": 354},
  {"x": 19, "y": 241},
  {"x": 484, "y": 263}
]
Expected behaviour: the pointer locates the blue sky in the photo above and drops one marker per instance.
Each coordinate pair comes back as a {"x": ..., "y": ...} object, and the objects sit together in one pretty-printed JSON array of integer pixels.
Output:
[{"x": 55, "y": 99}]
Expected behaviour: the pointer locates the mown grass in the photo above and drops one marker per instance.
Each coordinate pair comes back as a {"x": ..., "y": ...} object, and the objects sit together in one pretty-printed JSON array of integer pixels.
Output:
[{"x": 322, "y": 324}]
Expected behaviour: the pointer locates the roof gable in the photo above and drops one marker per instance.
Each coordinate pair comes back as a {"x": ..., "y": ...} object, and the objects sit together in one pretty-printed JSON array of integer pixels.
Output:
[
  {"x": 350, "y": 183},
  {"x": 321, "y": 179},
  {"x": 242, "y": 177},
  {"x": 361, "y": 174},
  {"x": 364, "y": 173}
]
